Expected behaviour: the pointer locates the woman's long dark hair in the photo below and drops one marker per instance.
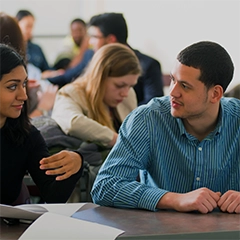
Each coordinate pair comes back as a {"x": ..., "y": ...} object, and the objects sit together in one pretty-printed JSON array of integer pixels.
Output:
[{"x": 17, "y": 129}]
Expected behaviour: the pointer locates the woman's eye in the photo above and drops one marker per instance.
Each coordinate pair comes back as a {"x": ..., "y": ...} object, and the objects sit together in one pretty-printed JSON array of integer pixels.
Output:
[
  {"x": 25, "y": 84},
  {"x": 13, "y": 87}
]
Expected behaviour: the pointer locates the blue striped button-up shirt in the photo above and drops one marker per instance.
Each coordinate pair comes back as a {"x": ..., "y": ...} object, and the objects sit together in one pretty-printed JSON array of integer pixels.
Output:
[{"x": 169, "y": 158}]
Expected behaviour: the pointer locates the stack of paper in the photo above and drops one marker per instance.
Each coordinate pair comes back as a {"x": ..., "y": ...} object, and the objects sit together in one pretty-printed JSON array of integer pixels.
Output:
[
  {"x": 55, "y": 227},
  {"x": 53, "y": 221},
  {"x": 33, "y": 211}
]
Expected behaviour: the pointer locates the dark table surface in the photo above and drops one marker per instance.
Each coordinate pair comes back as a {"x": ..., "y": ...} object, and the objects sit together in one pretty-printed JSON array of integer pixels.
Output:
[{"x": 142, "y": 224}]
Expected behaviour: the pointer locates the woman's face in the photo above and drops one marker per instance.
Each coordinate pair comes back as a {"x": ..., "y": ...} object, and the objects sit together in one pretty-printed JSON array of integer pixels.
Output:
[
  {"x": 26, "y": 24},
  {"x": 117, "y": 89},
  {"x": 13, "y": 94}
]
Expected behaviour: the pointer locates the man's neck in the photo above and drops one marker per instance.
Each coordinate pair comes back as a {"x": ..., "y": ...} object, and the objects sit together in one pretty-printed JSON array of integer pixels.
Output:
[{"x": 202, "y": 126}]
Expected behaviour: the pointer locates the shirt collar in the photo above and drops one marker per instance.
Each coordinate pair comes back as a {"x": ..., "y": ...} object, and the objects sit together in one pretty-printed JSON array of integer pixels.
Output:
[{"x": 215, "y": 132}]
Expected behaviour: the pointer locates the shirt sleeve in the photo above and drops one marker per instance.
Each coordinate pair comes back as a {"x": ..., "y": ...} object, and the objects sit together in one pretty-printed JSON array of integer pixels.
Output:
[
  {"x": 72, "y": 73},
  {"x": 70, "y": 116},
  {"x": 51, "y": 190},
  {"x": 116, "y": 184}
]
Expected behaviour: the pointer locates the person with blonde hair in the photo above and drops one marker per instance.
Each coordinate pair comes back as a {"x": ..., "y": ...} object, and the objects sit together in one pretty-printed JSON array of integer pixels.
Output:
[{"x": 93, "y": 107}]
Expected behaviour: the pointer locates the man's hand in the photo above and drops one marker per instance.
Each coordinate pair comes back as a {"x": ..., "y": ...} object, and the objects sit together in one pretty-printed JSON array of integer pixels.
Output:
[
  {"x": 64, "y": 163},
  {"x": 203, "y": 200},
  {"x": 230, "y": 202}
]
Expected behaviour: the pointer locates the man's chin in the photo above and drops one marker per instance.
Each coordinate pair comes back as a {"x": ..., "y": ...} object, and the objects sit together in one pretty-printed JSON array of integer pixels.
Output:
[{"x": 175, "y": 114}]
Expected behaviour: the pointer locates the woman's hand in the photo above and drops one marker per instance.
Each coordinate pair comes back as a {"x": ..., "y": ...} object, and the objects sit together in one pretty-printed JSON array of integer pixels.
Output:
[{"x": 64, "y": 164}]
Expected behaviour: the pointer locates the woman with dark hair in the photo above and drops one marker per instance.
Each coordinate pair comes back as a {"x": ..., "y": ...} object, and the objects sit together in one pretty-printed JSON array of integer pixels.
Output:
[
  {"x": 11, "y": 35},
  {"x": 22, "y": 147}
]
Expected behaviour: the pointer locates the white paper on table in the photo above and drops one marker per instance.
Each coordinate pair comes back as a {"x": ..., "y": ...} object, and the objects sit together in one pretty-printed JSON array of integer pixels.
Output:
[
  {"x": 52, "y": 226},
  {"x": 33, "y": 211}
]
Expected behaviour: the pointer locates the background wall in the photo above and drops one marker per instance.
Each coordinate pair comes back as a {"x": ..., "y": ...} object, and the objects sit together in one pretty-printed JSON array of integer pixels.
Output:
[{"x": 160, "y": 28}]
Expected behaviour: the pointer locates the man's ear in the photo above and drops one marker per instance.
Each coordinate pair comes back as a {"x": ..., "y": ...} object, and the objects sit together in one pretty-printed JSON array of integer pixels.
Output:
[
  {"x": 216, "y": 93},
  {"x": 111, "y": 38}
]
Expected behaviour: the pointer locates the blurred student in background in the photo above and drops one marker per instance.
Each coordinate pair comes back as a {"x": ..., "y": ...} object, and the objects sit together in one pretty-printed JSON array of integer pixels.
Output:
[
  {"x": 112, "y": 28},
  {"x": 35, "y": 54},
  {"x": 73, "y": 46},
  {"x": 93, "y": 107},
  {"x": 40, "y": 100}
]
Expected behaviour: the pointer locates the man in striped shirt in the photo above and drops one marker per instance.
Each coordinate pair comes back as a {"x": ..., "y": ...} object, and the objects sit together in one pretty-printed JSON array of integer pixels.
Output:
[{"x": 185, "y": 147}]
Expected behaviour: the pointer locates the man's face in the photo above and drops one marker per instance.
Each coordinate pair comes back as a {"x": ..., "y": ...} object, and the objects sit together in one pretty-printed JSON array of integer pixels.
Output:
[
  {"x": 78, "y": 32},
  {"x": 96, "y": 38},
  {"x": 190, "y": 99}
]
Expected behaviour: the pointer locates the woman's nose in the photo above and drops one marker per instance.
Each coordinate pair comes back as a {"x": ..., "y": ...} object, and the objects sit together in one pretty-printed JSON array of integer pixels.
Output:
[
  {"x": 22, "y": 95},
  {"x": 124, "y": 92}
]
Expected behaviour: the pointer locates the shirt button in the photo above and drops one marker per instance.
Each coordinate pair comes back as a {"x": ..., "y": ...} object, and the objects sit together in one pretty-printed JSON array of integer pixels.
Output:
[
  {"x": 200, "y": 149},
  {"x": 198, "y": 178}
]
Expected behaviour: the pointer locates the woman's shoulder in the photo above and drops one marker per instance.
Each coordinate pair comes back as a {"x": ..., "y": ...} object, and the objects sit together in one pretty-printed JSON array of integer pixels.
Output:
[
  {"x": 70, "y": 94},
  {"x": 69, "y": 89},
  {"x": 33, "y": 131},
  {"x": 73, "y": 91}
]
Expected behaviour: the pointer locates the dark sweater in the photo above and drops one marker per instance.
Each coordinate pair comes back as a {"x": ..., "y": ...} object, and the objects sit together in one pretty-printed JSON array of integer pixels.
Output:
[{"x": 16, "y": 160}]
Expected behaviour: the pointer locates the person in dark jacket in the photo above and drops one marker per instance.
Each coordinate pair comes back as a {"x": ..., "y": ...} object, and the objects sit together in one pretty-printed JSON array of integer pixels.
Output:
[
  {"x": 110, "y": 28},
  {"x": 35, "y": 53}
]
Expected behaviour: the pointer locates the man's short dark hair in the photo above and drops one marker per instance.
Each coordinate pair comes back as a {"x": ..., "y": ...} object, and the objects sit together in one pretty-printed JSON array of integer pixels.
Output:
[
  {"x": 78, "y": 20},
  {"x": 212, "y": 60},
  {"x": 111, "y": 23}
]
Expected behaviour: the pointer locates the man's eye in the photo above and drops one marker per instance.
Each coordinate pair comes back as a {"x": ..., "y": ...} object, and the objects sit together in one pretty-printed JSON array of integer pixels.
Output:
[
  {"x": 172, "y": 79},
  {"x": 184, "y": 86}
]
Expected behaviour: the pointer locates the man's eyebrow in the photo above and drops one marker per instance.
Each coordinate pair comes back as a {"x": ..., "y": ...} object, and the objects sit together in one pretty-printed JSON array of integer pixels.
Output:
[
  {"x": 187, "y": 83},
  {"x": 181, "y": 81}
]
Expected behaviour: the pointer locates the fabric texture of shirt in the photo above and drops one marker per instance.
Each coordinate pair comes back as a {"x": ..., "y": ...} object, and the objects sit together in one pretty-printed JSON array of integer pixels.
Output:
[
  {"x": 36, "y": 56},
  {"x": 16, "y": 160},
  {"x": 169, "y": 158}
]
